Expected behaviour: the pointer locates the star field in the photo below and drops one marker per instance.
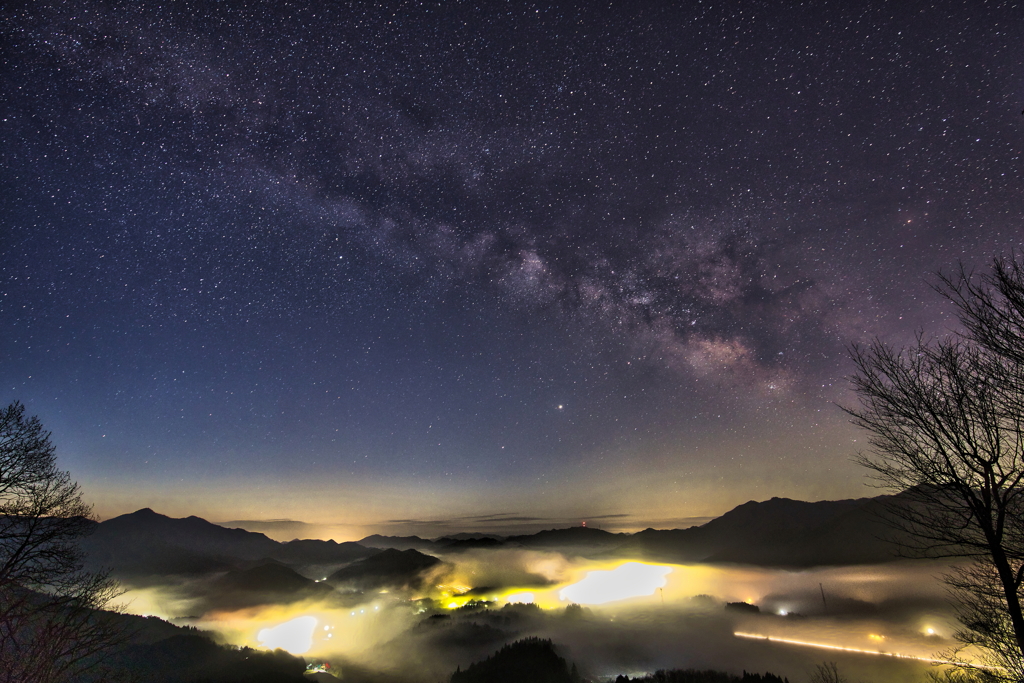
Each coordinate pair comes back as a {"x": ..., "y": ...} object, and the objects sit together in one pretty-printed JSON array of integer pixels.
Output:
[{"x": 419, "y": 259}]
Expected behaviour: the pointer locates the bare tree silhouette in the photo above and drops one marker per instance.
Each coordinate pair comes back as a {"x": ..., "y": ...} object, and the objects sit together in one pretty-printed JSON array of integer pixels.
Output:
[{"x": 51, "y": 626}]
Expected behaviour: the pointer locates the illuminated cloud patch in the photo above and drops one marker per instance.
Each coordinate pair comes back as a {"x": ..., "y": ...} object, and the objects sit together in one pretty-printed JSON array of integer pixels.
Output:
[
  {"x": 519, "y": 598},
  {"x": 294, "y": 636},
  {"x": 630, "y": 580}
]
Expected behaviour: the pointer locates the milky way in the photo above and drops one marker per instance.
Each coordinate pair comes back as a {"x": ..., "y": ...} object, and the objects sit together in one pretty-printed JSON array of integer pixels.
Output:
[{"x": 428, "y": 259}]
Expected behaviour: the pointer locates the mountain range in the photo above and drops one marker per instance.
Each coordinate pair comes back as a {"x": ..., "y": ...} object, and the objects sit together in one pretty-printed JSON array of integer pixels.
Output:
[
  {"x": 777, "y": 532},
  {"x": 148, "y": 543},
  {"x": 780, "y": 532}
]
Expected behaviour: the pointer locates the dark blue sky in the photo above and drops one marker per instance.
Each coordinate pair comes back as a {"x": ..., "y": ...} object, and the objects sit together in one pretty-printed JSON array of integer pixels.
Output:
[{"x": 432, "y": 260}]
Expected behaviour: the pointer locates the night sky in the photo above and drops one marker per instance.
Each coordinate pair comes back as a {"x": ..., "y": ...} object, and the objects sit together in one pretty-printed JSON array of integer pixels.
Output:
[{"x": 427, "y": 266}]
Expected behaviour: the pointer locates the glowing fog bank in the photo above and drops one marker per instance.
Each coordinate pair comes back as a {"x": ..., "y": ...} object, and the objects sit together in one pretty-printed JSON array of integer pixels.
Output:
[
  {"x": 630, "y": 580},
  {"x": 295, "y": 636}
]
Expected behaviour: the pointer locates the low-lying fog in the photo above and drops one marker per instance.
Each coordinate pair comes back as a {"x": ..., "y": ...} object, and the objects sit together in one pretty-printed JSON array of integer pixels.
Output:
[{"x": 635, "y": 617}]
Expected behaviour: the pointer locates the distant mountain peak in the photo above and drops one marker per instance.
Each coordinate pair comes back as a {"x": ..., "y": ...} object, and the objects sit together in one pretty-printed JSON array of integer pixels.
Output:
[
  {"x": 397, "y": 542},
  {"x": 389, "y": 566},
  {"x": 147, "y": 542}
]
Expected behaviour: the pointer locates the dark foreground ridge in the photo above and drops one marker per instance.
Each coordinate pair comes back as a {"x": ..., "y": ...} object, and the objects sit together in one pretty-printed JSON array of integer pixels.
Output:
[
  {"x": 537, "y": 661},
  {"x": 159, "y": 652},
  {"x": 530, "y": 659},
  {"x": 706, "y": 676}
]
